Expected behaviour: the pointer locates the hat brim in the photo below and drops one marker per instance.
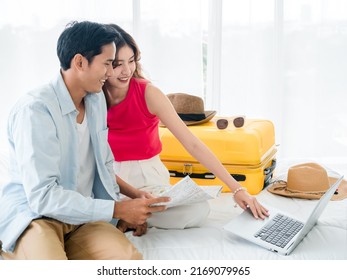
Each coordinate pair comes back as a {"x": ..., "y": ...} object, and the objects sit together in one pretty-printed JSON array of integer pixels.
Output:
[
  {"x": 208, "y": 116},
  {"x": 280, "y": 188}
]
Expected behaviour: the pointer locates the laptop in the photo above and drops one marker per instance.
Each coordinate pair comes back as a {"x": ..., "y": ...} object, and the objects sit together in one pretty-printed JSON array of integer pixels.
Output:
[{"x": 287, "y": 231}]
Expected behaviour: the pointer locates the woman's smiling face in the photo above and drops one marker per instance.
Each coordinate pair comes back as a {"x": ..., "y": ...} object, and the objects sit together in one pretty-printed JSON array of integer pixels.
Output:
[{"x": 123, "y": 68}]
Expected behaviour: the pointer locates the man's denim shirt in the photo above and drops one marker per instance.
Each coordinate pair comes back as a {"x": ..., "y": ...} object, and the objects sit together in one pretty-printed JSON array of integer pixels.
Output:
[{"x": 44, "y": 162}]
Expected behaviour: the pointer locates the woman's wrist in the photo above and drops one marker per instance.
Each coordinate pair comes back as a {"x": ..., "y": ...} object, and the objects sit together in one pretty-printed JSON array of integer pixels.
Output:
[
  {"x": 235, "y": 192},
  {"x": 238, "y": 190}
]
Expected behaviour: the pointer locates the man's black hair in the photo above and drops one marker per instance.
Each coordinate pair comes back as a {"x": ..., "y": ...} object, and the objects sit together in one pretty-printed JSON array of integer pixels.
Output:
[{"x": 85, "y": 38}]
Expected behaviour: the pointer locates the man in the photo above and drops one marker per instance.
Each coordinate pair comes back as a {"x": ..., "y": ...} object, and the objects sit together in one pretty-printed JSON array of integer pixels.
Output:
[{"x": 63, "y": 194}]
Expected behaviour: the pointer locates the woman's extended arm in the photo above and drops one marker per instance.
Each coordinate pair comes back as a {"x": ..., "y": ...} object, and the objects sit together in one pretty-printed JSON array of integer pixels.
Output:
[{"x": 161, "y": 106}]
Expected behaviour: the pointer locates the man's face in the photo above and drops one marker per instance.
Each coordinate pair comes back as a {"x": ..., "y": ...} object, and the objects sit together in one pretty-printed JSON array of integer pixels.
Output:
[{"x": 99, "y": 70}]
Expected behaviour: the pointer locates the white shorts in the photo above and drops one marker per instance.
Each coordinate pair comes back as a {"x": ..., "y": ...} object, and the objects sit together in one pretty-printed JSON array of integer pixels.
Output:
[
  {"x": 149, "y": 175},
  {"x": 152, "y": 176}
]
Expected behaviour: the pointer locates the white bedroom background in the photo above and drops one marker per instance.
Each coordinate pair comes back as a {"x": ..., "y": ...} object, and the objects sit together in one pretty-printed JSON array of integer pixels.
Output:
[{"x": 283, "y": 60}]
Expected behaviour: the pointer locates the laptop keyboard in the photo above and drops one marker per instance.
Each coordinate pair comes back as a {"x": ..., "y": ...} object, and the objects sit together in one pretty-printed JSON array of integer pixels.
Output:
[{"x": 280, "y": 230}]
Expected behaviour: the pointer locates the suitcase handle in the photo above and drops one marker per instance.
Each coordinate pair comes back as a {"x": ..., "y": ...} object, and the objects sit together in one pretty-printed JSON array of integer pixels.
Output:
[
  {"x": 209, "y": 176},
  {"x": 270, "y": 169},
  {"x": 268, "y": 172}
]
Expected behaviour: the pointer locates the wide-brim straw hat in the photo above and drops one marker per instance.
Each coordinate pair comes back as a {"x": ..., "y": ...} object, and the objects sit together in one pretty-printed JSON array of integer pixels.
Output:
[
  {"x": 190, "y": 108},
  {"x": 309, "y": 181}
]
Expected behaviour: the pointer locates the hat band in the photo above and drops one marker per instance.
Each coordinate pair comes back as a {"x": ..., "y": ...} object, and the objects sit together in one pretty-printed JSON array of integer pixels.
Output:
[{"x": 192, "y": 117}]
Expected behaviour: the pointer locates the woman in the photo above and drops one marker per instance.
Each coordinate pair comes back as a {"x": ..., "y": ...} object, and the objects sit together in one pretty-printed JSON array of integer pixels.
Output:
[{"x": 135, "y": 107}]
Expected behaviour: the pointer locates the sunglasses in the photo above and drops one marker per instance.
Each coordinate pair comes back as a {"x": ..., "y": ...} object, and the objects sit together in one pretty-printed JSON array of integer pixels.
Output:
[{"x": 238, "y": 122}]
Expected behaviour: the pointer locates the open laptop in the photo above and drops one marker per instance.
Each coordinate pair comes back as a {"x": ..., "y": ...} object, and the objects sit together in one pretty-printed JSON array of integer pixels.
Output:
[{"x": 256, "y": 230}]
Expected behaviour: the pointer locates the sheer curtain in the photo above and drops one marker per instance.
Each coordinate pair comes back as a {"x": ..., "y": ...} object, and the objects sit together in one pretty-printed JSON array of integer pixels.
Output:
[
  {"x": 314, "y": 79},
  {"x": 286, "y": 61},
  {"x": 283, "y": 60},
  {"x": 170, "y": 38}
]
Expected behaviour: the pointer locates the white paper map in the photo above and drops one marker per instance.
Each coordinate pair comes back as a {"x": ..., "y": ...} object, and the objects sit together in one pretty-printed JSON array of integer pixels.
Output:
[{"x": 186, "y": 191}]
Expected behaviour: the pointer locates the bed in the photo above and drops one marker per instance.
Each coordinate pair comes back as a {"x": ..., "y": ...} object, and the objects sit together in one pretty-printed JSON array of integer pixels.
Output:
[{"x": 327, "y": 240}]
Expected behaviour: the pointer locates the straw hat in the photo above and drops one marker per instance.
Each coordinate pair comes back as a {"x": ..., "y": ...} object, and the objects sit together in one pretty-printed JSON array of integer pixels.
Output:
[
  {"x": 308, "y": 180},
  {"x": 190, "y": 108}
]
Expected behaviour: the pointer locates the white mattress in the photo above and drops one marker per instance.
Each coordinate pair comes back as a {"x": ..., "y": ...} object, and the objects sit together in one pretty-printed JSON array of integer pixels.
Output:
[{"x": 327, "y": 240}]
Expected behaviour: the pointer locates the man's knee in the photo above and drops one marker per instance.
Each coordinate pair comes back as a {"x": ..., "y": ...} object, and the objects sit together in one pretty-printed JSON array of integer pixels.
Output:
[
  {"x": 101, "y": 241},
  {"x": 126, "y": 249}
]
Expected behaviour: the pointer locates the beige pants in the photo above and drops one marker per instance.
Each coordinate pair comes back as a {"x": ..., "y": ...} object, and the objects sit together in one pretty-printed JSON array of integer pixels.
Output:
[
  {"x": 151, "y": 175},
  {"x": 49, "y": 239}
]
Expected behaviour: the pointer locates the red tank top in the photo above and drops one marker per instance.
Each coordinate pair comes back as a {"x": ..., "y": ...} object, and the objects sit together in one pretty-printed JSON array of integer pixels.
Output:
[{"x": 133, "y": 130}]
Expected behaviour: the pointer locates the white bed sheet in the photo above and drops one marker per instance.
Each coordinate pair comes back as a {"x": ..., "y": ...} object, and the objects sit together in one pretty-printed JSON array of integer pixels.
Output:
[{"x": 327, "y": 240}]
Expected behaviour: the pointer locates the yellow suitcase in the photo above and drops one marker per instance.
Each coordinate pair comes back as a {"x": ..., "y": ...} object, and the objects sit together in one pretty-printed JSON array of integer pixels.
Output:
[{"x": 248, "y": 153}]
